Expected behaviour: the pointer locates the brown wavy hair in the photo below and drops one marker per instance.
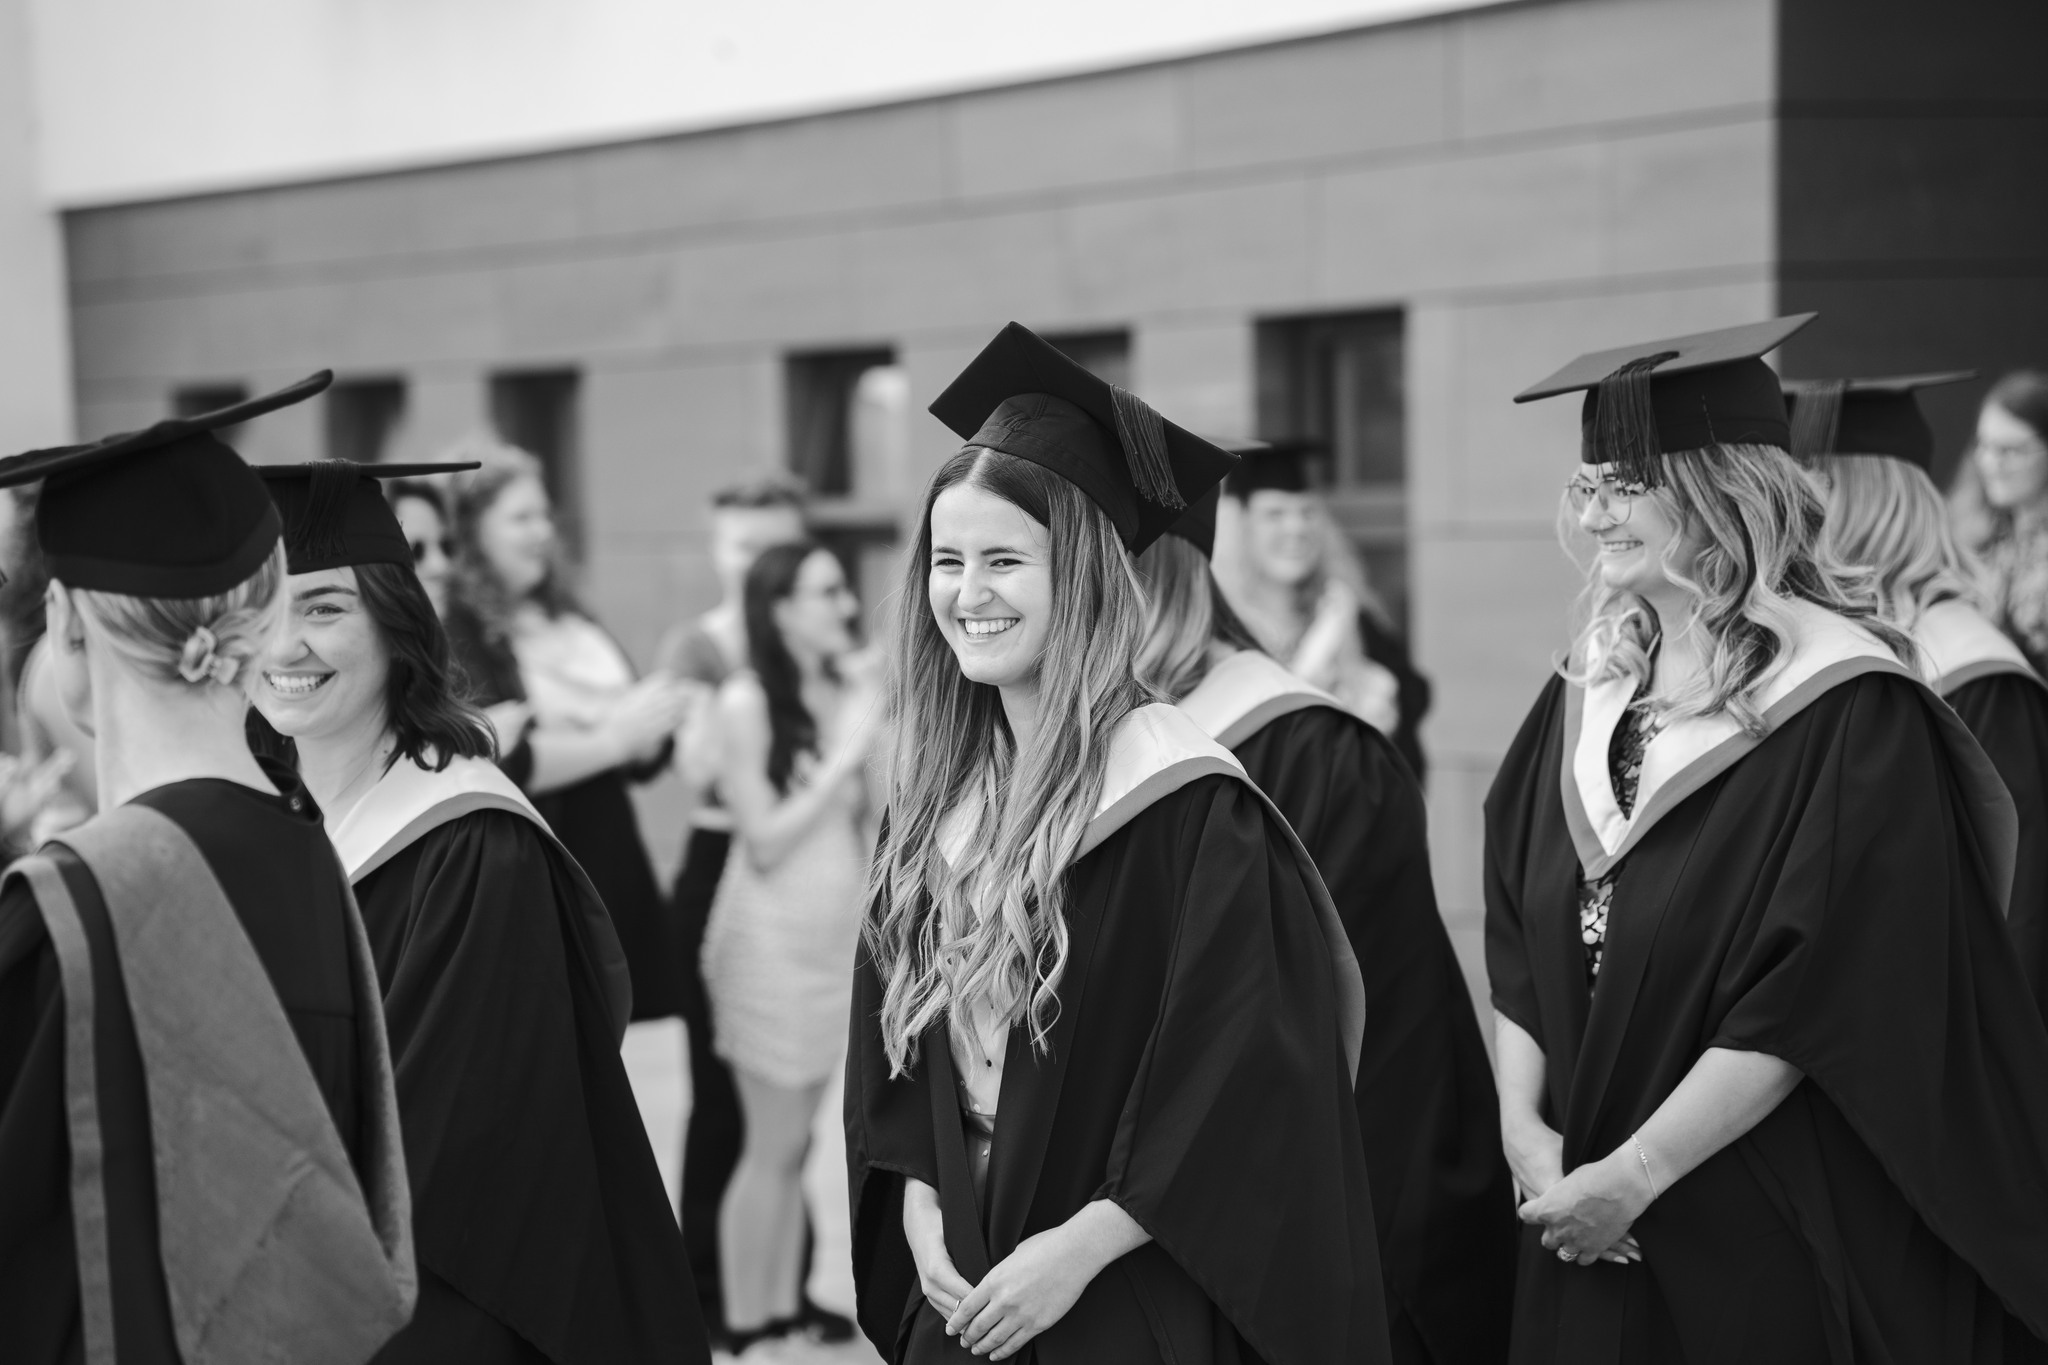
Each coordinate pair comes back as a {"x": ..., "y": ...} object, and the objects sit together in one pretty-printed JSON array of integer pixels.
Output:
[{"x": 987, "y": 932}]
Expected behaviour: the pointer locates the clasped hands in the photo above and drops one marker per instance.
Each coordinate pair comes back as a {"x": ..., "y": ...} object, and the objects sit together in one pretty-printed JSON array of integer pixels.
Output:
[
  {"x": 1587, "y": 1213},
  {"x": 1030, "y": 1289}
]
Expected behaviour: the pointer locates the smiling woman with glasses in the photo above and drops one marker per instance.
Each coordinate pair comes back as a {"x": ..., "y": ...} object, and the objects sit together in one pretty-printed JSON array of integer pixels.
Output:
[{"x": 1741, "y": 865}]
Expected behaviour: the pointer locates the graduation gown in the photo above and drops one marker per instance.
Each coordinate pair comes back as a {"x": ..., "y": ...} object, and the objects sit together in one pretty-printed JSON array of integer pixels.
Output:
[
  {"x": 1441, "y": 1192},
  {"x": 1831, "y": 895},
  {"x": 1198, "y": 1075},
  {"x": 1982, "y": 674},
  {"x": 220, "y": 1168},
  {"x": 542, "y": 1226}
]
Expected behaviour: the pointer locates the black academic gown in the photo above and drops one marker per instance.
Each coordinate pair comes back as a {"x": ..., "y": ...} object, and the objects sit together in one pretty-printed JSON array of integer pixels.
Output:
[
  {"x": 542, "y": 1228},
  {"x": 595, "y": 821},
  {"x": 274, "y": 863},
  {"x": 2008, "y": 713},
  {"x": 1194, "y": 1076},
  {"x": 1441, "y": 1191},
  {"x": 1830, "y": 899}
]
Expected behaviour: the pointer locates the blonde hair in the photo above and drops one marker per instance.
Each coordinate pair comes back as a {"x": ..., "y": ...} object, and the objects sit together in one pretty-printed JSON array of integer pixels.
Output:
[
  {"x": 1185, "y": 612},
  {"x": 192, "y": 641},
  {"x": 1886, "y": 516},
  {"x": 988, "y": 931},
  {"x": 1759, "y": 519}
]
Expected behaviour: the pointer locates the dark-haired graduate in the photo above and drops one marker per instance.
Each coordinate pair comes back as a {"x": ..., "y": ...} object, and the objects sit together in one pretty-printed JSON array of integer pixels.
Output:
[
  {"x": 1105, "y": 1018},
  {"x": 1769, "y": 1074},
  {"x": 1441, "y": 1192},
  {"x": 199, "y": 1147},
  {"x": 1872, "y": 446},
  {"x": 542, "y": 1226}
]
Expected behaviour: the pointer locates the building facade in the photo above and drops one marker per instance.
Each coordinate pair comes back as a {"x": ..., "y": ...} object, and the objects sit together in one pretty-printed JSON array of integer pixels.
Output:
[{"x": 1376, "y": 236}]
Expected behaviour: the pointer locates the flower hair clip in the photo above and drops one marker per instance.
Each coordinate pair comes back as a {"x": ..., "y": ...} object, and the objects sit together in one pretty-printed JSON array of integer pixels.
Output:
[{"x": 201, "y": 660}]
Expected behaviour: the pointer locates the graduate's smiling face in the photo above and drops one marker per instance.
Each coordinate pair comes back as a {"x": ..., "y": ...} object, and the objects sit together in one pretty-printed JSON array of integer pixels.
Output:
[
  {"x": 516, "y": 536},
  {"x": 990, "y": 585},
  {"x": 1637, "y": 533},
  {"x": 325, "y": 674}
]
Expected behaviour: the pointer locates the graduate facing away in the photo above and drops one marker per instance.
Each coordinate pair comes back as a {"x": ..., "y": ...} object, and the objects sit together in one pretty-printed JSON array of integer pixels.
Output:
[
  {"x": 1872, "y": 447},
  {"x": 1770, "y": 1078},
  {"x": 199, "y": 1143},
  {"x": 1441, "y": 1194},
  {"x": 542, "y": 1226},
  {"x": 1105, "y": 1017}
]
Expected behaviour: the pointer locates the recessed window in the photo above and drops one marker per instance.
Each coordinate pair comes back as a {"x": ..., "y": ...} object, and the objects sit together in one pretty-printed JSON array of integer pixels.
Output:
[
  {"x": 1106, "y": 355},
  {"x": 361, "y": 415},
  {"x": 1338, "y": 379},
  {"x": 536, "y": 410},
  {"x": 843, "y": 414}
]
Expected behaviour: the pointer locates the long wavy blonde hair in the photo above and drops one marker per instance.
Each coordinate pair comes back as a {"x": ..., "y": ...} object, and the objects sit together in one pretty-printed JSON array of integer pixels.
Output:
[
  {"x": 1758, "y": 520},
  {"x": 1887, "y": 516},
  {"x": 988, "y": 930},
  {"x": 1185, "y": 613}
]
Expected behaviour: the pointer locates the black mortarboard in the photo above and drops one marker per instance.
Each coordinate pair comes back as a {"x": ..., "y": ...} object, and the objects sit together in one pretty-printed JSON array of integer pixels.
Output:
[
  {"x": 169, "y": 511},
  {"x": 1685, "y": 393},
  {"x": 1197, "y": 525},
  {"x": 1282, "y": 465},
  {"x": 335, "y": 514},
  {"x": 1865, "y": 416},
  {"x": 1024, "y": 397}
]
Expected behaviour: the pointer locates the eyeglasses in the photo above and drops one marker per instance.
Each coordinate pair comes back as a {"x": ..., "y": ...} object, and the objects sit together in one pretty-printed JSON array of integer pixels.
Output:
[
  {"x": 2008, "y": 452},
  {"x": 419, "y": 549},
  {"x": 1616, "y": 496}
]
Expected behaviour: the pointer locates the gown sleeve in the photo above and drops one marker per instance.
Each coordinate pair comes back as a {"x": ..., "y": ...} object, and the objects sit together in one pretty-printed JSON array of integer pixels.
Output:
[
  {"x": 1440, "y": 1186},
  {"x": 1238, "y": 1146},
  {"x": 1527, "y": 776},
  {"x": 1880, "y": 967},
  {"x": 38, "y": 1279},
  {"x": 2009, "y": 716},
  {"x": 535, "y": 1193}
]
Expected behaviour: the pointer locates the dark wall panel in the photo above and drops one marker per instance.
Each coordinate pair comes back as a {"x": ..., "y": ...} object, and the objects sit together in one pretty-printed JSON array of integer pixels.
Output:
[{"x": 1913, "y": 190}]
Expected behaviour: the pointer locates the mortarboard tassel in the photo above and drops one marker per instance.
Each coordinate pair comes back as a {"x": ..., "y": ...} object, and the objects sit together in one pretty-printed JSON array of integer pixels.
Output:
[
  {"x": 1625, "y": 421},
  {"x": 1142, "y": 433},
  {"x": 320, "y": 535},
  {"x": 1817, "y": 417}
]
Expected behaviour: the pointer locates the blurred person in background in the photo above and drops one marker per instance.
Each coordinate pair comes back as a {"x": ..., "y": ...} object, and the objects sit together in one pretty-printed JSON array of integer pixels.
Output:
[
  {"x": 1294, "y": 579},
  {"x": 2001, "y": 507},
  {"x": 542, "y": 1228},
  {"x": 745, "y": 520},
  {"x": 423, "y": 515},
  {"x": 798, "y": 725},
  {"x": 1441, "y": 1195},
  {"x": 1872, "y": 447},
  {"x": 574, "y": 725},
  {"x": 46, "y": 775}
]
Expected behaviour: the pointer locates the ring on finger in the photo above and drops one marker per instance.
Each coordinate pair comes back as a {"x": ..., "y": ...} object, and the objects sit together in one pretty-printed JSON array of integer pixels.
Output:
[{"x": 1567, "y": 1254}]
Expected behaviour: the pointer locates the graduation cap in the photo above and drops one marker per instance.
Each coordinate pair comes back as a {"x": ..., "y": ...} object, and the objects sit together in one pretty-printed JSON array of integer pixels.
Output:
[
  {"x": 168, "y": 511},
  {"x": 1865, "y": 416},
  {"x": 1024, "y": 397},
  {"x": 1684, "y": 393},
  {"x": 335, "y": 514},
  {"x": 1284, "y": 466},
  {"x": 1261, "y": 464}
]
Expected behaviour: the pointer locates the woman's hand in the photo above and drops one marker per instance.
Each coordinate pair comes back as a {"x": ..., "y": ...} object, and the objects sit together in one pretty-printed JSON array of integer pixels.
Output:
[
  {"x": 1535, "y": 1153},
  {"x": 924, "y": 1227},
  {"x": 646, "y": 716},
  {"x": 1588, "y": 1213},
  {"x": 1034, "y": 1286}
]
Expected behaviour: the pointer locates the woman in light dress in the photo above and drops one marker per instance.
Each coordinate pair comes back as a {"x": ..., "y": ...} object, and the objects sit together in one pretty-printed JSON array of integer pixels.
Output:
[{"x": 778, "y": 950}]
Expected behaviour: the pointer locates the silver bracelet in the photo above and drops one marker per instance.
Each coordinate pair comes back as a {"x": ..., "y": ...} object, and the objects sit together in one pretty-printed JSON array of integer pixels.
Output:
[{"x": 1644, "y": 1157}]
